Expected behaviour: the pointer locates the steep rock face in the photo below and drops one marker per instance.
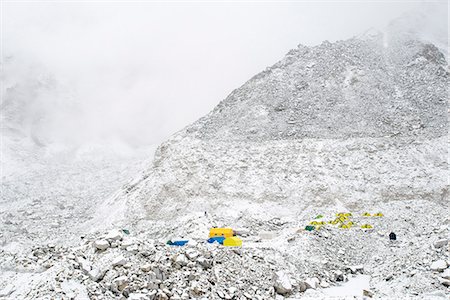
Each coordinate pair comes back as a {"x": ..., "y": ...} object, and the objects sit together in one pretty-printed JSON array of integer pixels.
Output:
[{"x": 350, "y": 123}]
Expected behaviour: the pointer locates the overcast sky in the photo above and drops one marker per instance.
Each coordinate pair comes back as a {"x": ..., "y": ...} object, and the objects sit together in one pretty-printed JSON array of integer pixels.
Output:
[{"x": 141, "y": 71}]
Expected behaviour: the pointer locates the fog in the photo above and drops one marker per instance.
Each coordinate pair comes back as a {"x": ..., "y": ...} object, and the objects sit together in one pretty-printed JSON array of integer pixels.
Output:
[{"x": 137, "y": 72}]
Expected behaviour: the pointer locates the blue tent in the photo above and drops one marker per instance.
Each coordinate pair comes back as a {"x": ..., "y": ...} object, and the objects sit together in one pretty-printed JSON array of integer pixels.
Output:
[
  {"x": 177, "y": 243},
  {"x": 218, "y": 239}
]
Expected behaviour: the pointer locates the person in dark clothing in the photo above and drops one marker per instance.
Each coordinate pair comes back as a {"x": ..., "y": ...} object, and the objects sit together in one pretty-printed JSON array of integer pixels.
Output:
[{"x": 392, "y": 236}]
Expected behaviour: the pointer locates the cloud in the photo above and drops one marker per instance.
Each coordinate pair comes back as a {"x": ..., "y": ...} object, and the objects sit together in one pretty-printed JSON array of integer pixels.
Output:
[{"x": 93, "y": 72}]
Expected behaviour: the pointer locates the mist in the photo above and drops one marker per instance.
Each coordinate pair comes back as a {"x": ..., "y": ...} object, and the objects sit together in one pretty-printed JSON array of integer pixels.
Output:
[{"x": 77, "y": 73}]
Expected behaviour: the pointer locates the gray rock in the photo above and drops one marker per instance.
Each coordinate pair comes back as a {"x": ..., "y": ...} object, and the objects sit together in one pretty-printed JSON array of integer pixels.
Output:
[{"x": 282, "y": 283}]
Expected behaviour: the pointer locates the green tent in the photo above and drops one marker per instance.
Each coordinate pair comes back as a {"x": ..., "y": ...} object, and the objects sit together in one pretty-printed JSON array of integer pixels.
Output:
[{"x": 309, "y": 228}]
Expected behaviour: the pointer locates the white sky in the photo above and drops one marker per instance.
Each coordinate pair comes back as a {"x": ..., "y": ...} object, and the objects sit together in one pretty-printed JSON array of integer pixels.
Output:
[{"x": 141, "y": 71}]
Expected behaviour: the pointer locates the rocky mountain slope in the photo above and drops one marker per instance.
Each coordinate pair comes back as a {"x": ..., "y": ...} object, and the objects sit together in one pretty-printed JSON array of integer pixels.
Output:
[{"x": 353, "y": 123}]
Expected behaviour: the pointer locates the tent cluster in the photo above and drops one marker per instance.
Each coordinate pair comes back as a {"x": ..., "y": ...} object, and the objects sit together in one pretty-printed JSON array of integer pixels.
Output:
[
  {"x": 378, "y": 214},
  {"x": 223, "y": 236},
  {"x": 342, "y": 220}
]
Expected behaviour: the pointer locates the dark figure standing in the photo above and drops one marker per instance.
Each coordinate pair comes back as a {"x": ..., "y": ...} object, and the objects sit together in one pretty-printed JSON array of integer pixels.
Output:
[{"x": 392, "y": 236}]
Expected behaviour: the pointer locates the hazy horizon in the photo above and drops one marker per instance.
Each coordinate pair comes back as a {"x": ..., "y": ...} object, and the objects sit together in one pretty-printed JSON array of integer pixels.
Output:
[{"x": 138, "y": 72}]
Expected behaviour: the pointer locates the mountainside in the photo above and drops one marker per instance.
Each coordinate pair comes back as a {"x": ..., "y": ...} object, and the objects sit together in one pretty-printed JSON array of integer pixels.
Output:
[
  {"x": 353, "y": 88},
  {"x": 351, "y": 123},
  {"x": 357, "y": 126}
]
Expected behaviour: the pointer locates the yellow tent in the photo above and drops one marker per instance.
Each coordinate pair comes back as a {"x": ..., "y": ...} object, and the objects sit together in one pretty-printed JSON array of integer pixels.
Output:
[
  {"x": 232, "y": 242},
  {"x": 345, "y": 226},
  {"x": 341, "y": 219},
  {"x": 225, "y": 232},
  {"x": 350, "y": 223},
  {"x": 366, "y": 226},
  {"x": 378, "y": 215},
  {"x": 344, "y": 214},
  {"x": 366, "y": 214}
]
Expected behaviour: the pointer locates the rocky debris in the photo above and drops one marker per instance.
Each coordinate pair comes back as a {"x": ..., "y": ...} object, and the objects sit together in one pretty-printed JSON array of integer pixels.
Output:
[
  {"x": 356, "y": 269},
  {"x": 283, "y": 285},
  {"x": 155, "y": 271},
  {"x": 202, "y": 270},
  {"x": 439, "y": 265},
  {"x": 244, "y": 232}
]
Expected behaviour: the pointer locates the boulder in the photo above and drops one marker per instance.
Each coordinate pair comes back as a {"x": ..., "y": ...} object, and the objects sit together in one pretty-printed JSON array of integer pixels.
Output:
[
  {"x": 446, "y": 274},
  {"x": 444, "y": 281},
  {"x": 205, "y": 263},
  {"x": 118, "y": 261},
  {"x": 192, "y": 254},
  {"x": 338, "y": 275},
  {"x": 181, "y": 260},
  {"x": 96, "y": 274},
  {"x": 120, "y": 282},
  {"x": 101, "y": 244},
  {"x": 84, "y": 264},
  {"x": 440, "y": 243},
  {"x": 312, "y": 283},
  {"x": 242, "y": 231},
  {"x": 438, "y": 265},
  {"x": 146, "y": 267},
  {"x": 282, "y": 285},
  {"x": 114, "y": 235},
  {"x": 355, "y": 269},
  {"x": 137, "y": 296},
  {"x": 368, "y": 293}
]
